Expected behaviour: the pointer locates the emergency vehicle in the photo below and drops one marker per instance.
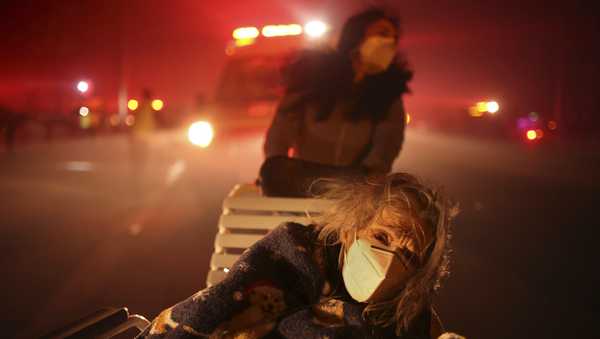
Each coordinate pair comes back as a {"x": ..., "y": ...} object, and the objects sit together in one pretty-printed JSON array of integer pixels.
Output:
[{"x": 250, "y": 85}]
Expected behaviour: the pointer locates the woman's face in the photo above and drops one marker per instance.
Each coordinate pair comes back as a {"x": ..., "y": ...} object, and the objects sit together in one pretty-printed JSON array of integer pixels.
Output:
[
  {"x": 382, "y": 28},
  {"x": 392, "y": 232}
]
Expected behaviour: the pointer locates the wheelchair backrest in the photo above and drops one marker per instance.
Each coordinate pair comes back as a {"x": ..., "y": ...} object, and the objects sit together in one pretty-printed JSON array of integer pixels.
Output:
[{"x": 247, "y": 217}]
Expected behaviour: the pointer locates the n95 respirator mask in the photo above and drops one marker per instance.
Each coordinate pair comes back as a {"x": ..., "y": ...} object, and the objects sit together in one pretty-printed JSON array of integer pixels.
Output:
[
  {"x": 372, "y": 273},
  {"x": 377, "y": 53}
]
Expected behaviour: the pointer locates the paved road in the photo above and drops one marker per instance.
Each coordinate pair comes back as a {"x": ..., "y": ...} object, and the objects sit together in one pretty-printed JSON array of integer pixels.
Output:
[{"x": 82, "y": 228}]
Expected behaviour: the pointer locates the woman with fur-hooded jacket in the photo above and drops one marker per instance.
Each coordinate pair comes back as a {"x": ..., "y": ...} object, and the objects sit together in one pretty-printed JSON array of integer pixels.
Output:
[{"x": 345, "y": 107}]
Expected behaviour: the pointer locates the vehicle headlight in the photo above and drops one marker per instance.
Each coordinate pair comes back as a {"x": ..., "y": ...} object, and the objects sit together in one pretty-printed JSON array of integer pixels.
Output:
[{"x": 201, "y": 133}]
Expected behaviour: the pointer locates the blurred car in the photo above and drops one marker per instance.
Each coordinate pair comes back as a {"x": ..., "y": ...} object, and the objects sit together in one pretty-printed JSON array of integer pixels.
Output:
[{"x": 486, "y": 118}]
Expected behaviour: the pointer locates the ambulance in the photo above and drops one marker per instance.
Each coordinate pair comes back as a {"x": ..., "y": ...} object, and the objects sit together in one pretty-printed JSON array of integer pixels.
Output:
[{"x": 250, "y": 84}]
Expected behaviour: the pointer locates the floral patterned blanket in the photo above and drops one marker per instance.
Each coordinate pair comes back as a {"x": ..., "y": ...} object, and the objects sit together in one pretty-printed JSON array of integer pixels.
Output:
[{"x": 284, "y": 286}]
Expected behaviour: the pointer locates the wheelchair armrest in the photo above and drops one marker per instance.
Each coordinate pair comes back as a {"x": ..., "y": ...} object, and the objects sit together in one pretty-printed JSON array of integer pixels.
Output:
[
  {"x": 132, "y": 321},
  {"x": 104, "y": 323}
]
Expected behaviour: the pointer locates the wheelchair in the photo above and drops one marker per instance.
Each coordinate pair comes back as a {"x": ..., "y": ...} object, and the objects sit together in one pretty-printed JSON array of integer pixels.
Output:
[{"x": 246, "y": 217}]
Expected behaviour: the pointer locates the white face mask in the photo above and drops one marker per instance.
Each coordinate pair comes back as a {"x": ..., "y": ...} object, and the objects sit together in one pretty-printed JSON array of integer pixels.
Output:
[
  {"x": 373, "y": 274},
  {"x": 377, "y": 53}
]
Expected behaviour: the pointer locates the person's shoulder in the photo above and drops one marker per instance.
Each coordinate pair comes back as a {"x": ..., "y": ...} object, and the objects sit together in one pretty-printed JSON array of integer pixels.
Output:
[
  {"x": 289, "y": 235},
  {"x": 294, "y": 230},
  {"x": 314, "y": 58},
  {"x": 308, "y": 67}
]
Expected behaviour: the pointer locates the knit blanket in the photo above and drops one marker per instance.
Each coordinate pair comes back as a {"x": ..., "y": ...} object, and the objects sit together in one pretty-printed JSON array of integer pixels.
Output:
[{"x": 287, "y": 285}]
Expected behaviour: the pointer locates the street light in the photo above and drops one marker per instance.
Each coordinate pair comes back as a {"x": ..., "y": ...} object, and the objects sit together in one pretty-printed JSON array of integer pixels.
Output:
[
  {"x": 83, "y": 86},
  {"x": 492, "y": 107},
  {"x": 84, "y": 111},
  {"x": 132, "y": 104},
  {"x": 157, "y": 104},
  {"x": 201, "y": 133}
]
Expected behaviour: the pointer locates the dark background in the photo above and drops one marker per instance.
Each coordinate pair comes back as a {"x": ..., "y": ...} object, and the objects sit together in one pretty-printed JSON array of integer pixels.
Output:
[{"x": 531, "y": 55}]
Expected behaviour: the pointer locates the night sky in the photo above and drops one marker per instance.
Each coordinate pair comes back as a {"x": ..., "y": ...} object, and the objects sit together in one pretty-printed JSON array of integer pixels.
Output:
[{"x": 525, "y": 53}]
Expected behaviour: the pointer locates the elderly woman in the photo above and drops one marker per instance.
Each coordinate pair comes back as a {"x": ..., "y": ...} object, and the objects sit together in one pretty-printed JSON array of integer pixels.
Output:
[{"x": 367, "y": 268}]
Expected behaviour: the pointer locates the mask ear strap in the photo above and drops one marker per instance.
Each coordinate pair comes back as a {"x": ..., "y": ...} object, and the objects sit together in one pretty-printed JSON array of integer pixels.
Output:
[
  {"x": 353, "y": 242},
  {"x": 426, "y": 253}
]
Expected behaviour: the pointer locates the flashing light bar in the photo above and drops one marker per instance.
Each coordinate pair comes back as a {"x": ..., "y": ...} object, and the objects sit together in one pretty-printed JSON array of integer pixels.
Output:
[
  {"x": 315, "y": 28},
  {"x": 270, "y": 31},
  {"x": 245, "y": 33}
]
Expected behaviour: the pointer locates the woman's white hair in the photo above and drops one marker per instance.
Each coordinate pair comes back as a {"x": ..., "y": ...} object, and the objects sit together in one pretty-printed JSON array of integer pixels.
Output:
[{"x": 358, "y": 202}]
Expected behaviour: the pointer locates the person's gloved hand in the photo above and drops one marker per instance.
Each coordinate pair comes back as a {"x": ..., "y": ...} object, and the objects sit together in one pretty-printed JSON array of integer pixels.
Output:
[
  {"x": 369, "y": 170},
  {"x": 450, "y": 335},
  {"x": 288, "y": 177}
]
